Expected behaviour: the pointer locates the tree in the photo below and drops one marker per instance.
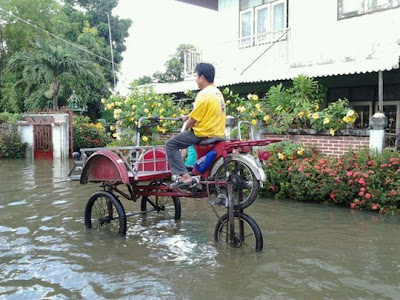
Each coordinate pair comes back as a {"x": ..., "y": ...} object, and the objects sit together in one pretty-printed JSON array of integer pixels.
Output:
[
  {"x": 174, "y": 66},
  {"x": 49, "y": 64},
  {"x": 96, "y": 12}
]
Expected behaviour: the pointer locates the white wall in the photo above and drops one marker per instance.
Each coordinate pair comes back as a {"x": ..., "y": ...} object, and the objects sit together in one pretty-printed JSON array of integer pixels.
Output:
[{"x": 60, "y": 130}]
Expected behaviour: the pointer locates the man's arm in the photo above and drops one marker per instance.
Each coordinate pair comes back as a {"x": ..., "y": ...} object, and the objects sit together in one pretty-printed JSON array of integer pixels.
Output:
[{"x": 190, "y": 122}]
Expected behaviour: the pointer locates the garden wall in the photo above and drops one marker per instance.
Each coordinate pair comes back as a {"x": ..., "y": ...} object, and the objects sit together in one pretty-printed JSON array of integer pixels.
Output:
[{"x": 329, "y": 145}]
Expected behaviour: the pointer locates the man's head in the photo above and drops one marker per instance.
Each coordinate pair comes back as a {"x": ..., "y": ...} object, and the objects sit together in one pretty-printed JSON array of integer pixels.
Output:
[{"x": 205, "y": 74}]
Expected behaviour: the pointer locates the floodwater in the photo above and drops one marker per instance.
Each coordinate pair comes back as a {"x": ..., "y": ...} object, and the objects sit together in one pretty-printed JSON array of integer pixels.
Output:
[{"x": 310, "y": 251}]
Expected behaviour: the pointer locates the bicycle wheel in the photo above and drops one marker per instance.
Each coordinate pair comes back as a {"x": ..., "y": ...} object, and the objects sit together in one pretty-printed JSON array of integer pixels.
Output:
[
  {"x": 247, "y": 234},
  {"x": 168, "y": 206},
  {"x": 104, "y": 212},
  {"x": 248, "y": 182}
]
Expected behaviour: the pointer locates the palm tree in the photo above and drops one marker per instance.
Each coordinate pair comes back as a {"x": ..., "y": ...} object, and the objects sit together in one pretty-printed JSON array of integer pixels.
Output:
[{"x": 49, "y": 63}]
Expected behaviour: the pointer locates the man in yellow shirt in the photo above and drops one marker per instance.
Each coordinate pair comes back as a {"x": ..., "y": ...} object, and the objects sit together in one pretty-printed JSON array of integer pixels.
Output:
[{"x": 207, "y": 119}]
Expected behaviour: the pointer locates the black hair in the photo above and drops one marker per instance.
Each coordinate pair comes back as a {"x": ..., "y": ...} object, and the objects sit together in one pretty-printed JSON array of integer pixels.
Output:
[{"x": 207, "y": 70}]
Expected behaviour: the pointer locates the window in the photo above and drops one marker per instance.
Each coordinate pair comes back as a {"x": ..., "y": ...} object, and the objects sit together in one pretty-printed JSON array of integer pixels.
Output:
[
  {"x": 261, "y": 21},
  {"x": 351, "y": 8},
  {"x": 364, "y": 111}
]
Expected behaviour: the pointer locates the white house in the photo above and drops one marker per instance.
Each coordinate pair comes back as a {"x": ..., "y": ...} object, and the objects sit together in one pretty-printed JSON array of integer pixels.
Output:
[{"x": 350, "y": 47}]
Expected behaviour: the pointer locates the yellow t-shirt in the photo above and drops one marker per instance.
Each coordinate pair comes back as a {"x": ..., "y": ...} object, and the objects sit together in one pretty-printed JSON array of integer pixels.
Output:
[{"x": 209, "y": 113}]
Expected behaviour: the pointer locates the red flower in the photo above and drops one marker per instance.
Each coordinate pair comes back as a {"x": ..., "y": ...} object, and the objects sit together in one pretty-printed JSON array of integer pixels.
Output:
[
  {"x": 349, "y": 173},
  {"x": 352, "y": 205},
  {"x": 367, "y": 196}
]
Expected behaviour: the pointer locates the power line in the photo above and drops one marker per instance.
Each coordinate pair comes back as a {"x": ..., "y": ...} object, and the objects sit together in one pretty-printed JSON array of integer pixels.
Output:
[{"x": 55, "y": 36}]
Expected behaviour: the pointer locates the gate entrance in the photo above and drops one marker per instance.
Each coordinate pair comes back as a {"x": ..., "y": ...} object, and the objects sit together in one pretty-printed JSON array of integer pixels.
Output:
[{"x": 43, "y": 141}]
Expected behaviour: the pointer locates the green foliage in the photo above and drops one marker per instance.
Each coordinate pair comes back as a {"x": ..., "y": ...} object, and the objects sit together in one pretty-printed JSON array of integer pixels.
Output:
[
  {"x": 11, "y": 145},
  {"x": 49, "y": 64},
  {"x": 359, "y": 180},
  {"x": 6, "y": 117},
  {"x": 87, "y": 27},
  {"x": 88, "y": 135}
]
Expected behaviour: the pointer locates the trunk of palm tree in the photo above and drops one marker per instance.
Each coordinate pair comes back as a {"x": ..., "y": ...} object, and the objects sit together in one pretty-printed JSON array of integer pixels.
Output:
[{"x": 56, "y": 88}]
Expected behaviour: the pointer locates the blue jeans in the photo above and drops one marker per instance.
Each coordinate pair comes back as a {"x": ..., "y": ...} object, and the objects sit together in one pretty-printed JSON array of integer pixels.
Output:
[{"x": 174, "y": 144}]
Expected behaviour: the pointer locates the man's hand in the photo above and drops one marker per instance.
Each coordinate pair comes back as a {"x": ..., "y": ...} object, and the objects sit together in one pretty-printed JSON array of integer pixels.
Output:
[{"x": 184, "y": 118}]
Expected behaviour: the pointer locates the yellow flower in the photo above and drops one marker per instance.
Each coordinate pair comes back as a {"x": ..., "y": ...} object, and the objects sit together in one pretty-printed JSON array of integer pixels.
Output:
[
  {"x": 146, "y": 110},
  {"x": 254, "y": 122},
  {"x": 258, "y": 106},
  {"x": 300, "y": 151},
  {"x": 112, "y": 128},
  {"x": 103, "y": 100},
  {"x": 115, "y": 134},
  {"x": 267, "y": 119},
  {"x": 350, "y": 113},
  {"x": 241, "y": 109},
  {"x": 255, "y": 98},
  {"x": 145, "y": 138},
  {"x": 281, "y": 156},
  {"x": 332, "y": 131},
  {"x": 326, "y": 121},
  {"x": 314, "y": 116},
  {"x": 316, "y": 107},
  {"x": 300, "y": 114},
  {"x": 249, "y": 96}
]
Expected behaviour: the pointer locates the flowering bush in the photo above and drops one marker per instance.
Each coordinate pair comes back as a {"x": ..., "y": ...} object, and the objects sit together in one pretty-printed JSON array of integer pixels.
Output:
[
  {"x": 88, "y": 135},
  {"x": 359, "y": 180},
  {"x": 143, "y": 102},
  {"x": 335, "y": 117}
]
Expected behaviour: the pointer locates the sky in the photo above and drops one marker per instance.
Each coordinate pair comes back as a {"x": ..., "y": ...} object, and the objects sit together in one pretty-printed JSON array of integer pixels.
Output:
[{"x": 158, "y": 28}]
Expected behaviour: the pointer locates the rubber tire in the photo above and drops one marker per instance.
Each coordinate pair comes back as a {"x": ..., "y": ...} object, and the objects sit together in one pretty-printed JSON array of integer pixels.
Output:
[
  {"x": 224, "y": 220},
  {"x": 116, "y": 204},
  {"x": 254, "y": 192}
]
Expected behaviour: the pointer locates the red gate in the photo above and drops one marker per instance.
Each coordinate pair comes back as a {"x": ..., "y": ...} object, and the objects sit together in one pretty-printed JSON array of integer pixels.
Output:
[{"x": 43, "y": 147}]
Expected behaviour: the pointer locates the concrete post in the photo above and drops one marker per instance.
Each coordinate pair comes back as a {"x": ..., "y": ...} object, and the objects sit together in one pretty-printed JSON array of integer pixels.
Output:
[{"x": 377, "y": 123}]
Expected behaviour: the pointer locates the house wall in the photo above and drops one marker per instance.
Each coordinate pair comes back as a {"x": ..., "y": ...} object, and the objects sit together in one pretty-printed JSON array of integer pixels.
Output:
[{"x": 316, "y": 37}]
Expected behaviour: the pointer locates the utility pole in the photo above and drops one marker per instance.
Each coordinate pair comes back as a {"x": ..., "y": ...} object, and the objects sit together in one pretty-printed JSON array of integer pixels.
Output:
[{"x": 111, "y": 48}]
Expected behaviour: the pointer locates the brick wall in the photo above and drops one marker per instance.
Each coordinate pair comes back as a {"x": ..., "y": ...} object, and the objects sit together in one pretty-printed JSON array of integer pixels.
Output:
[{"x": 329, "y": 145}]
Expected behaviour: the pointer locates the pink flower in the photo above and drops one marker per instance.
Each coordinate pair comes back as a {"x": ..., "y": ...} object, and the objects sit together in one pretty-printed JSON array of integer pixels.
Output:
[
  {"x": 332, "y": 195},
  {"x": 367, "y": 196},
  {"x": 349, "y": 173},
  {"x": 375, "y": 207},
  {"x": 352, "y": 205},
  {"x": 361, "y": 194}
]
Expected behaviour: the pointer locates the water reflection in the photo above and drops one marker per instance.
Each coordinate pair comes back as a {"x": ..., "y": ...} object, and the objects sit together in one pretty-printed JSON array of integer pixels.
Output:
[{"x": 310, "y": 251}]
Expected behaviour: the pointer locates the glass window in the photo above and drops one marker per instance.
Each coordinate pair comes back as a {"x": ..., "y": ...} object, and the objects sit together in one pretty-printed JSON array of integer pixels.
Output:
[
  {"x": 246, "y": 27},
  {"x": 259, "y": 23},
  {"x": 245, "y": 4},
  {"x": 263, "y": 24},
  {"x": 351, "y": 8},
  {"x": 278, "y": 19}
]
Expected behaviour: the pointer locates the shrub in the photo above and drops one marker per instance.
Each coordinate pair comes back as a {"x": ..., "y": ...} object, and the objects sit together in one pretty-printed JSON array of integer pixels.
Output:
[
  {"x": 361, "y": 180},
  {"x": 88, "y": 135},
  {"x": 11, "y": 145}
]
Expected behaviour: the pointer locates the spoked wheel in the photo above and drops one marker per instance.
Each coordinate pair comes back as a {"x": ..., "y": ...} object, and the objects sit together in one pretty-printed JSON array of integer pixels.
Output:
[
  {"x": 168, "y": 206},
  {"x": 246, "y": 233},
  {"x": 104, "y": 212},
  {"x": 248, "y": 182}
]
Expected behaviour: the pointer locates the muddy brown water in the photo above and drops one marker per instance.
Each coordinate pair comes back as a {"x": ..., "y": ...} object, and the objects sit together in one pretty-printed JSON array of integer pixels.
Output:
[{"x": 310, "y": 251}]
